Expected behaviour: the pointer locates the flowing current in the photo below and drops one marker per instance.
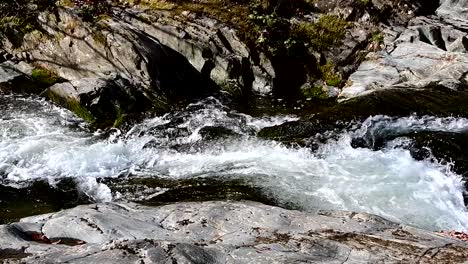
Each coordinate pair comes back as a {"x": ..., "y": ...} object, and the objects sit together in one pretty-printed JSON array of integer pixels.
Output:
[{"x": 41, "y": 141}]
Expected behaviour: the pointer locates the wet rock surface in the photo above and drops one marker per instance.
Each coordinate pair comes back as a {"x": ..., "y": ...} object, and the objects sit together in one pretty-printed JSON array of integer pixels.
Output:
[
  {"x": 38, "y": 198},
  {"x": 436, "y": 101},
  {"x": 218, "y": 232}
]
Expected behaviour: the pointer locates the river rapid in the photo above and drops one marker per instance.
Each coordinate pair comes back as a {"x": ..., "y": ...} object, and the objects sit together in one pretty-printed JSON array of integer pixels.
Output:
[{"x": 210, "y": 143}]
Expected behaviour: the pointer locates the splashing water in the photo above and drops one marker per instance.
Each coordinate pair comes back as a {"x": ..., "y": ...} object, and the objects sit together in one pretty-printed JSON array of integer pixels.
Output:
[{"x": 41, "y": 141}]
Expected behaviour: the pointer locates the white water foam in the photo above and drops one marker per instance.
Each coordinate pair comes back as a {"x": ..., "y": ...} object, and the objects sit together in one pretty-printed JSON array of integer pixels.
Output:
[
  {"x": 378, "y": 125},
  {"x": 388, "y": 182}
]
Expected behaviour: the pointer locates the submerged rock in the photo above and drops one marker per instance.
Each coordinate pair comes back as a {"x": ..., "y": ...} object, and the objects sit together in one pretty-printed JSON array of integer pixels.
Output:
[
  {"x": 216, "y": 132},
  {"x": 445, "y": 147},
  {"x": 435, "y": 101},
  {"x": 157, "y": 192},
  {"x": 219, "y": 232}
]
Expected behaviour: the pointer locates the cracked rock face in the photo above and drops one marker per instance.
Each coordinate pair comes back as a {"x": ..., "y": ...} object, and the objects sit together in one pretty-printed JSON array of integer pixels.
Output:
[
  {"x": 149, "y": 49},
  {"x": 431, "y": 51},
  {"x": 213, "y": 48},
  {"x": 219, "y": 232},
  {"x": 455, "y": 9},
  {"x": 79, "y": 52}
]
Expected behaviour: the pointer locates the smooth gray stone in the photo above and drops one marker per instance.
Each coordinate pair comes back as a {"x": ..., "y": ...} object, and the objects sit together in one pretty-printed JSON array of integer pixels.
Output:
[{"x": 225, "y": 232}]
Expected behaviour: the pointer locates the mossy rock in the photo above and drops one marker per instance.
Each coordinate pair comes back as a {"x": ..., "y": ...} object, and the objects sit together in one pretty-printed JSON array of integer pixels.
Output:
[
  {"x": 314, "y": 92},
  {"x": 327, "y": 32},
  {"x": 121, "y": 119},
  {"x": 330, "y": 76},
  {"x": 102, "y": 102},
  {"x": 233, "y": 88},
  {"x": 100, "y": 38},
  {"x": 44, "y": 77},
  {"x": 74, "y": 106},
  {"x": 377, "y": 37},
  {"x": 81, "y": 111}
]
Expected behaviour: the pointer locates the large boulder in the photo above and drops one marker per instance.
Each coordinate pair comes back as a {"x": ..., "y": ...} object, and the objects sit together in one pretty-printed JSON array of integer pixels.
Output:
[
  {"x": 103, "y": 102},
  {"x": 146, "y": 47},
  {"x": 219, "y": 232},
  {"x": 426, "y": 54},
  {"x": 74, "y": 49},
  {"x": 212, "y": 47}
]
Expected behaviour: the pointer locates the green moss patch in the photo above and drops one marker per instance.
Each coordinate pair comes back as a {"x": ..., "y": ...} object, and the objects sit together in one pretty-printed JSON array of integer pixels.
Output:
[
  {"x": 330, "y": 76},
  {"x": 21, "y": 24},
  {"x": 327, "y": 32},
  {"x": 315, "y": 92},
  {"x": 377, "y": 37},
  {"x": 99, "y": 38},
  {"x": 74, "y": 106},
  {"x": 19, "y": 17},
  {"x": 120, "y": 119},
  {"x": 44, "y": 77},
  {"x": 80, "y": 111}
]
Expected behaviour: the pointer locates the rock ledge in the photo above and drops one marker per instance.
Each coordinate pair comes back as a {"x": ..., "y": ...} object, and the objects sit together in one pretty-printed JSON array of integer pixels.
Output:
[{"x": 219, "y": 232}]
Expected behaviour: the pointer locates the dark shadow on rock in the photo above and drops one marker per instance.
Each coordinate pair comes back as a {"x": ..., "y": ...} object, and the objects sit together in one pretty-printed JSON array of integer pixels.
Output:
[
  {"x": 13, "y": 254},
  {"x": 291, "y": 73},
  {"x": 172, "y": 73},
  {"x": 38, "y": 198},
  {"x": 118, "y": 100},
  {"x": 14, "y": 81},
  {"x": 190, "y": 190}
]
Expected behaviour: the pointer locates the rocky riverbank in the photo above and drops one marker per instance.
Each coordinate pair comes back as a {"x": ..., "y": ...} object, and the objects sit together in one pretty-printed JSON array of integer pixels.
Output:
[
  {"x": 316, "y": 52},
  {"x": 219, "y": 232}
]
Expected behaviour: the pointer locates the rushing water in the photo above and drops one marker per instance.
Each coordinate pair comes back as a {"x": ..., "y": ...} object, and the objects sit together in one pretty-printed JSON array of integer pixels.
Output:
[{"x": 210, "y": 141}]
